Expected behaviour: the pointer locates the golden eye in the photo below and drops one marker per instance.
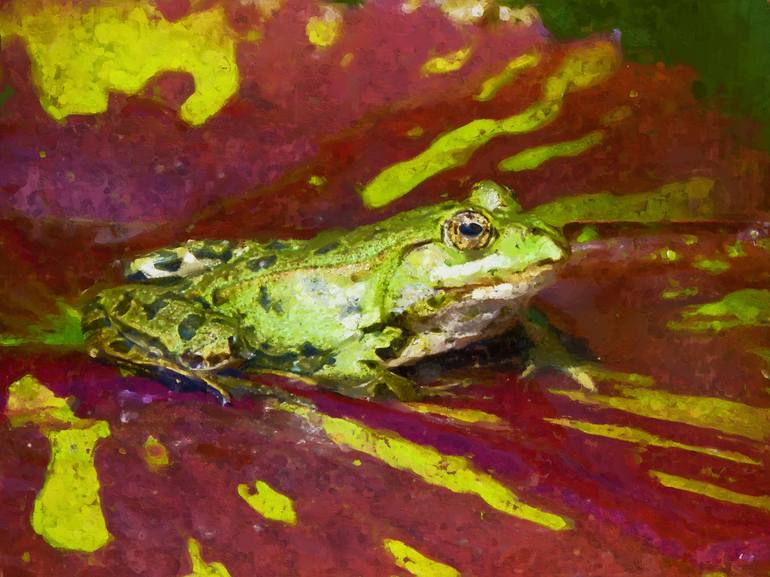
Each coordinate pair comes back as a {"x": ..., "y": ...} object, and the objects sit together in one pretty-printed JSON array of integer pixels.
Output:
[{"x": 468, "y": 230}]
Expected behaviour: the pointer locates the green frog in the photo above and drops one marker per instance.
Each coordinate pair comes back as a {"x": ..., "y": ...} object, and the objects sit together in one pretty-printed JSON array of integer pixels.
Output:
[{"x": 346, "y": 308}]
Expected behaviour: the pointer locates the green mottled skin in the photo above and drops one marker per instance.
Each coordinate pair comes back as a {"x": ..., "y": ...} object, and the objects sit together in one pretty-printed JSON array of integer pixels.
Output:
[{"x": 342, "y": 308}]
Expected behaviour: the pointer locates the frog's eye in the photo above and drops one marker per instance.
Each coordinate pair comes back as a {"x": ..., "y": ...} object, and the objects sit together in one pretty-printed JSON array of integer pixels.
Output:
[{"x": 467, "y": 230}]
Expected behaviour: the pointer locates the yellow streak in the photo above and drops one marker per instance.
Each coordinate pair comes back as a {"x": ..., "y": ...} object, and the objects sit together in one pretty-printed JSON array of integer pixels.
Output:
[
  {"x": 464, "y": 415},
  {"x": 67, "y": 512},
  {"x": 728, "y": 417},
  {"x": 451, "y": 472},
  {"x": 446, "y": 63},
  {"x": 80, "y": 55},
  {"x": 535, "y": 157},
  {"x": 268, "y": 502},
  {"x": 415, "y": 562},
  {"x": 641, "y": 437},
  {"x": 199, "y": 567},
  {"x": 580, "y": 69},
  {"x": 712, "y": 491},
  {"x": 492, "y": 85}
]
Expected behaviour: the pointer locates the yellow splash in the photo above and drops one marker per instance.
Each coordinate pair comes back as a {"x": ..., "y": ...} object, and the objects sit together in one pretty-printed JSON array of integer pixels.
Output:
[
  {"x": 722, "y": 415},
  {"x": 712, "y": 491},
  {"x": 464, "y": 415},
  {"x": 492, "y": 85},
  {"x": 686, "y": 200},
  {"x": 711, "y": 265},
  {"x": 155, "y": 453},
  {"x": 79, "y": 54},
  {"x": 415, "y": 562},
  {"x": 67, "y": 512},
  {"x": 446, "y": 63},
  {"x": 268, "y": 502},
  {"x": 741, "y": 308},
  {"x": 581, "y": 69},
  {"x": 199, "y": 567},
  {"x": 535, "y": 157},
  {"x": 451, "y": 472},
  {"x": 641, "y": 437},
  {"x": 323, "y": 31}
]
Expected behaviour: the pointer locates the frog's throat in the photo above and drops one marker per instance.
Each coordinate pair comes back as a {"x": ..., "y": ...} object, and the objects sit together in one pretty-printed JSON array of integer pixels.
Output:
[{"x": 475, "y": 313}]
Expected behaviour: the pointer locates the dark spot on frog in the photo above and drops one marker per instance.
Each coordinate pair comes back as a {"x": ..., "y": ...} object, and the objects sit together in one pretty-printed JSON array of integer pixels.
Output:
[
  {"x": 327, "y": 248},
  {"x": 192, "y": 360},
  {"x": 266, "y": 302},
  {"x": 152, "y": 309},
  {"x": 168, "y": 261},
  {"x": 189, "y": 326},
  {"x": 221, "y": 252},
  {"x": 276, "y": 245},
  {"x": 308, "y": 350},
  {"x": 123, "y": 304},
  {"x": 120, "y": 346},
  {"x": 261, "y": 263},
  {"x": 264, "y": 298}
]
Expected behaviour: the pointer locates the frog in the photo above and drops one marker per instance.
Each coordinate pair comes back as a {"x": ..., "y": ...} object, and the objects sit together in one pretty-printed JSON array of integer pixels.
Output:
[{"x": 347, "y": 309}]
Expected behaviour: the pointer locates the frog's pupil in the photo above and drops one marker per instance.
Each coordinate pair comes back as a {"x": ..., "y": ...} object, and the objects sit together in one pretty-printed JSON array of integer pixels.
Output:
[{"x": 471, "y": 229}]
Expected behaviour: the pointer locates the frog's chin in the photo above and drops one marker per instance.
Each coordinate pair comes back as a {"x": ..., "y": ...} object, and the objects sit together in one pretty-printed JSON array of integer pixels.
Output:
[{"x": 473, "y": 313}]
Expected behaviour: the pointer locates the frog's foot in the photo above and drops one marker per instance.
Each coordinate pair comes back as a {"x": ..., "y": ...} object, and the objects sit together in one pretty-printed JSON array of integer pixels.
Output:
[
  {"x": 375, "y": 383},
  {"x": 578, "y": 372},
  {"x": 549, "y": 352}
]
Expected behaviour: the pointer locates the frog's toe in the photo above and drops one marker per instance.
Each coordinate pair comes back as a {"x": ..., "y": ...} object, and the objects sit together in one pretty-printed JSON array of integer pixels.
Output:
[
  {"x": 404, "y": 389},
  {"x": 582, "y": 376}
]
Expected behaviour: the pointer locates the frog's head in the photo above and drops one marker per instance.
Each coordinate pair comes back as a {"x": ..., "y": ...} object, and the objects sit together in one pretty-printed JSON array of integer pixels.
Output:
[{"x": 483, "y": 249}]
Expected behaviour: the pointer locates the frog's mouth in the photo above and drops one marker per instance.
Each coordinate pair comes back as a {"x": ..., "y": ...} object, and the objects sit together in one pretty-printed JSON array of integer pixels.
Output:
[{"x": 511, "y": 287}]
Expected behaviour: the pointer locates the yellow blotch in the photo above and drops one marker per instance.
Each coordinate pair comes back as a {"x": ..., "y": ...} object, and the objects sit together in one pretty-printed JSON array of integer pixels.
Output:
[
  {"x": 711, "y": 491},
  {"x": 323, "y": 31},
  {"x": 464, "y": 11},
  {"x": 728, "y": 417},
  {"x": 316, "y": 180},
  {"x": 346, "y": 59},
  {"x": 535, "y": 157},
  {"x": 451, "y": 472},
  {"x": 641, "y": 437},
  {"x": 415, "y": 562},
  {"x": 684, "y": 200},
  {"x": 155, "y": 453},
  {"x": 268, "y": 502},
  {"x": 199, "y": 567},
  {"x": 446, "y": 63},
  {"x": 79, "y": 55},
  {"x": 67, "y": 512},
  {"x": 29, "y": 401},
  {"x": 464, "y": 415},
  {"x": 581, "y": 69},
  {"x": 524, "y": 15},
  {"x": 491, "y": 86},
  {"x": 741, "y": 308}
]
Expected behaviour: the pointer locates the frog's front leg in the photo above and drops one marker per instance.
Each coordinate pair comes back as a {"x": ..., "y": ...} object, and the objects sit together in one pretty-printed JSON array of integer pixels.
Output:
[
  {"x": 548, "y": 350},
  {"x": 358, "y": 370}
]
